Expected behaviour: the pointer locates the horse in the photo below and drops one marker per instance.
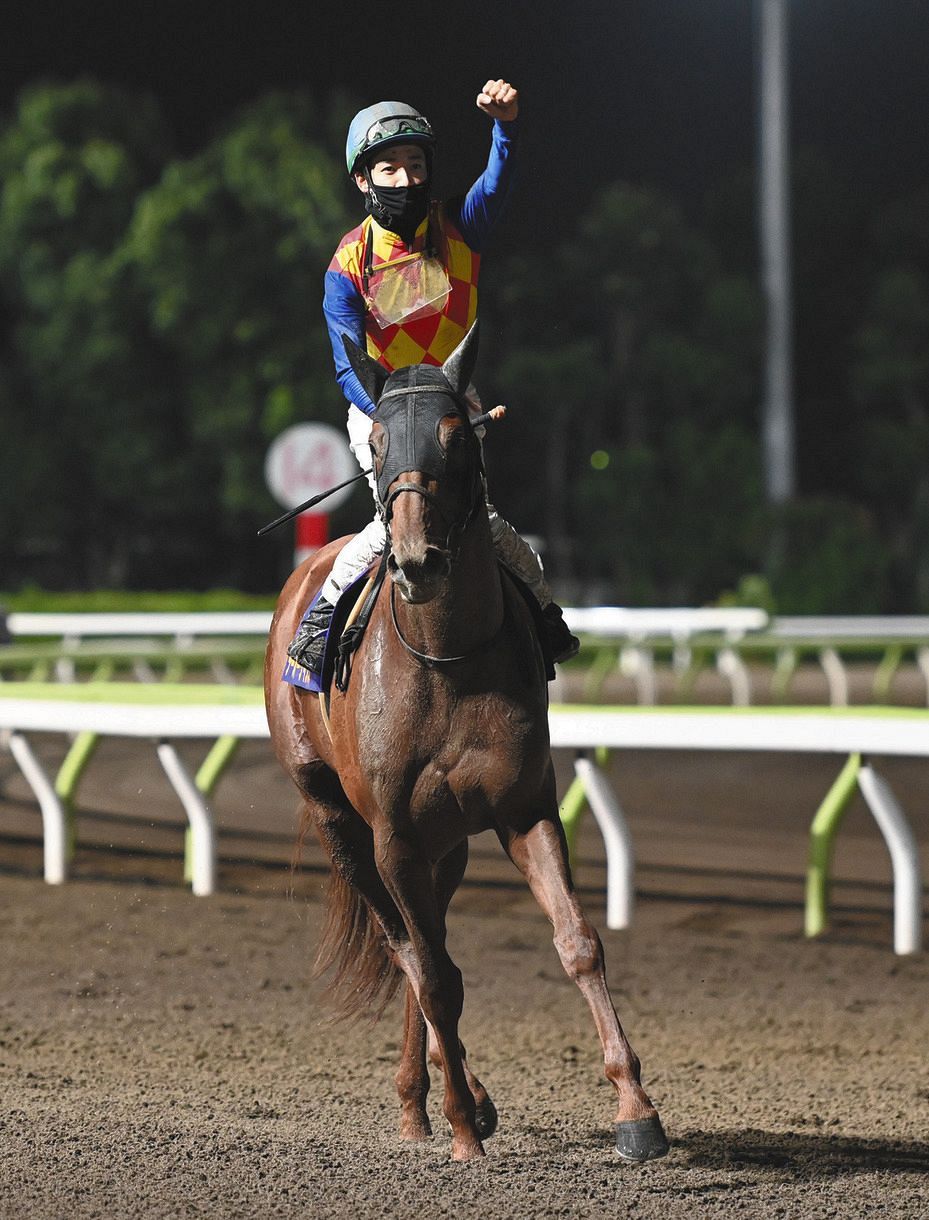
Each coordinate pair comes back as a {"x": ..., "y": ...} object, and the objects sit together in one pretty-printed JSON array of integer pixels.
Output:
[{"x": 441, "y": 733}]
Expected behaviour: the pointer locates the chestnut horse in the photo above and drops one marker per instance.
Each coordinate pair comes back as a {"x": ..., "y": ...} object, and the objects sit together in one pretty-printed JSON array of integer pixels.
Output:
[{"x": 442, "y": 733}]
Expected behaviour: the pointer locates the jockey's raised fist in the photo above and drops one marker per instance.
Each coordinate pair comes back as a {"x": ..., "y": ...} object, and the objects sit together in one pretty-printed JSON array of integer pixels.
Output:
[{"x": 499, "y": 99}]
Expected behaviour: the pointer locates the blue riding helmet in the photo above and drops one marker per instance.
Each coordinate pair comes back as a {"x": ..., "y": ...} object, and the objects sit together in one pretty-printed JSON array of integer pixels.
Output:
[{"x": 385, "y": 123}]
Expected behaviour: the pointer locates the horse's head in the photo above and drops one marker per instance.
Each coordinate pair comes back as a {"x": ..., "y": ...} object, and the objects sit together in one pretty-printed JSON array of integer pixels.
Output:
[{"x": 427, "y": 463}]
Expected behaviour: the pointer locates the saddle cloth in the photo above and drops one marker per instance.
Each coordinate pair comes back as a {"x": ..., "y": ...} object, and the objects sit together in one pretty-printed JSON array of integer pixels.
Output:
[{"x": 297, "y": 674}]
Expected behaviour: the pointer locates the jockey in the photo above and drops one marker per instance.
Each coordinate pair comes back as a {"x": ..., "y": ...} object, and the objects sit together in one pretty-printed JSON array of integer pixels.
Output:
[{"x": 403, "y": 284}]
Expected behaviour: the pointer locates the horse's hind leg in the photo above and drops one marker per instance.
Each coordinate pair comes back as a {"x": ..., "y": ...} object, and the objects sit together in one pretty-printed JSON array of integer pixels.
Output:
[{"x": 541, "y": 855}]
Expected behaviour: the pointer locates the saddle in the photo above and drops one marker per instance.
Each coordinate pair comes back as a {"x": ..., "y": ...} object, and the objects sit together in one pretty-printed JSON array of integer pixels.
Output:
[
  {"x": 345, "y": 632},
  {"x": 350, "y": 620}
]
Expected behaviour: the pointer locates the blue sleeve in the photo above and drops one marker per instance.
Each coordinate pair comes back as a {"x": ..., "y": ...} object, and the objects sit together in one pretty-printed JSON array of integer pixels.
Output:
[
  {"x": 484, "y": 202},
  {"x": 344, "y": 312}
]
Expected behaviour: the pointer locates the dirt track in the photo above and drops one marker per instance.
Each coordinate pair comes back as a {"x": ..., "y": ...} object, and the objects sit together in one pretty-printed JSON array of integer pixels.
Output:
[{"x": 165, "y": 1056}]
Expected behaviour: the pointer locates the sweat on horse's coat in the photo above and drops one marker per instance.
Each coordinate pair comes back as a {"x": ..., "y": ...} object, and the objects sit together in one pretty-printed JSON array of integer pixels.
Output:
[{"x": 441, "y": 734}]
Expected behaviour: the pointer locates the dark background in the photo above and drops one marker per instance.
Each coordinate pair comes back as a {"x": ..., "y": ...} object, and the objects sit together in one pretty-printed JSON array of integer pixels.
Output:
[
  {"x": 658, "y": 91},
  {"x": 621, "y": 307}
]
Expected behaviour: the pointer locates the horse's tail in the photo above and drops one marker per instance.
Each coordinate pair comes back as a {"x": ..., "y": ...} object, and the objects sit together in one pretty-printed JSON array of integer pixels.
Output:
[{"x": 352, "y": 946}]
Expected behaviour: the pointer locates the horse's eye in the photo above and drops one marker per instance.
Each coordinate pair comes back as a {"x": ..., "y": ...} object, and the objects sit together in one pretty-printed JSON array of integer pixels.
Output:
[{"x": 452, "y": 435}]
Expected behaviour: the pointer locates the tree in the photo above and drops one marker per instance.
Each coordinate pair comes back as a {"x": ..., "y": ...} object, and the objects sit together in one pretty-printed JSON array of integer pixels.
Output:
[
  {"x": 162, "y": 326},
  {"x": 73, "y": 160},
  {"x": 890, "y": 381},
  {"x": 640, "y": 361},
  {"x": 229, "y": 249}
]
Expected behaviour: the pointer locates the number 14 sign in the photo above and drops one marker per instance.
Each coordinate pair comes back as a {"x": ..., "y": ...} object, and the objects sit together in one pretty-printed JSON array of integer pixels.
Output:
[{"x": 307, "y": 459}]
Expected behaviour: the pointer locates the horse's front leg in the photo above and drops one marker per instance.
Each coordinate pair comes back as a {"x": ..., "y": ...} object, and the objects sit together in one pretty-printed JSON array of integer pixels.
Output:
[
  {"x": 412, "y": 1078},
  {"x": 350, "y": 846},
  {"x": 449, "y": 872},
  {"x": 433, "y": 976},
  {"x": 485, "y": 1112},
  {"x": 412, "y": 1075},
  {"x": 540, "y": 853}
]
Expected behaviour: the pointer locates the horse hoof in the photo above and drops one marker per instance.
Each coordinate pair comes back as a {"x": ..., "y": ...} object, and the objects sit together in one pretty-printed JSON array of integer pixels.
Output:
[
  {"x": 467, "y": 1150},
  {"x": 485, "y": 1118},
  {"x": 641, "y": 1139},
  {"x": 415, "y": 1132}
]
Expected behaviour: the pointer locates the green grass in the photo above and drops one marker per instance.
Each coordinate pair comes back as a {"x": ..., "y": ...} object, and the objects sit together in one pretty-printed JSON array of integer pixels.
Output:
[{"x": 147, "y": 693}]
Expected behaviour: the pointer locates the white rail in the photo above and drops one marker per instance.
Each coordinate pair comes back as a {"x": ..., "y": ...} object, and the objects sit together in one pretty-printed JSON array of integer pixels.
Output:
[
  {"x": 840, "y": 731},
  {"x": 190, "y": 625},
  {"x": 678, "y": 623},
  {"x": 613, "y": 621},
  {"x": 851, "y": 626},
  {"x": 729, "y": 633}
]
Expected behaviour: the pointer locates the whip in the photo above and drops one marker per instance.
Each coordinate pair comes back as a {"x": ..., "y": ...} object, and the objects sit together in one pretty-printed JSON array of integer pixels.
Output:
[{"x": 495, "y": 413}]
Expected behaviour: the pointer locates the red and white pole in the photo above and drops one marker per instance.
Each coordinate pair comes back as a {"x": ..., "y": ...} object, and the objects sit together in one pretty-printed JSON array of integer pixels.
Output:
[{"x": 312, "y": 532}]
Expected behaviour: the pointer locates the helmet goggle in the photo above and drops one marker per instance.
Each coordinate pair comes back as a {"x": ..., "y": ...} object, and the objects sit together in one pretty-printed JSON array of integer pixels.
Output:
[{"x": 394, "y": 126}]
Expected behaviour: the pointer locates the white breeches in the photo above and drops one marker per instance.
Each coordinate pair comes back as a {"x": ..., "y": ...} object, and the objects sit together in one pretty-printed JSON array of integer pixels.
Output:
[{"x": 512, "y": 550}]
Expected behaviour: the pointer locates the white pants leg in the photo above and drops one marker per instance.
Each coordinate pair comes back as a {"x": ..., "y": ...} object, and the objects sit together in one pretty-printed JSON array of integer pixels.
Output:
[
  {"x": 512, "y": 550},
  {"x": 367, "y": 546}
]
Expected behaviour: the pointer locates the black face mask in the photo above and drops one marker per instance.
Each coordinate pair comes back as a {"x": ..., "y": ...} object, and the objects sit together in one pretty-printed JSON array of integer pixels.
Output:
[{"x": 399, "y": 208}]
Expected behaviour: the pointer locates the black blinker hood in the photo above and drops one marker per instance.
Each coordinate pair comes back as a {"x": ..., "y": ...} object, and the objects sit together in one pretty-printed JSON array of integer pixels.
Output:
[{"x": 410, "y": 413}]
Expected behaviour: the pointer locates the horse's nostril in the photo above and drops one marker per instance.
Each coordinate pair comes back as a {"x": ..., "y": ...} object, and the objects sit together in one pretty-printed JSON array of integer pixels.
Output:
[
  {"x": 420, "y": 571},
  {"x": 436, "y": 563}
]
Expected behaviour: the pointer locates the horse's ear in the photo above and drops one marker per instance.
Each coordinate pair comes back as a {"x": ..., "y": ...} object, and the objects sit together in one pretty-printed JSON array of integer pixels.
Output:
[
  {"x": 459, "y": 367},
  {"x": 371, "y": 374}
]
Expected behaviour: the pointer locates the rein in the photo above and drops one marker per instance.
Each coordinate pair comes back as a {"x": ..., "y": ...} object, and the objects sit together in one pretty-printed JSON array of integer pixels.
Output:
[{"x": 428, "y": 659}]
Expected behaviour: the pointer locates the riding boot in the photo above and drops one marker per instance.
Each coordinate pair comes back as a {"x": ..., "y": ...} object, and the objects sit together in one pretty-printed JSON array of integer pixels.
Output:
[
  {"x": 309, "y": 644},
  {"x": 563, "y": 644}
]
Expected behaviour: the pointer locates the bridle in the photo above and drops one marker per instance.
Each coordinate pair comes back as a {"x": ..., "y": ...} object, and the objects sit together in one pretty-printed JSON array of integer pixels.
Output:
[
  {"x": 457, "y": 527},
  {"x": 425, "y": 657}
]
